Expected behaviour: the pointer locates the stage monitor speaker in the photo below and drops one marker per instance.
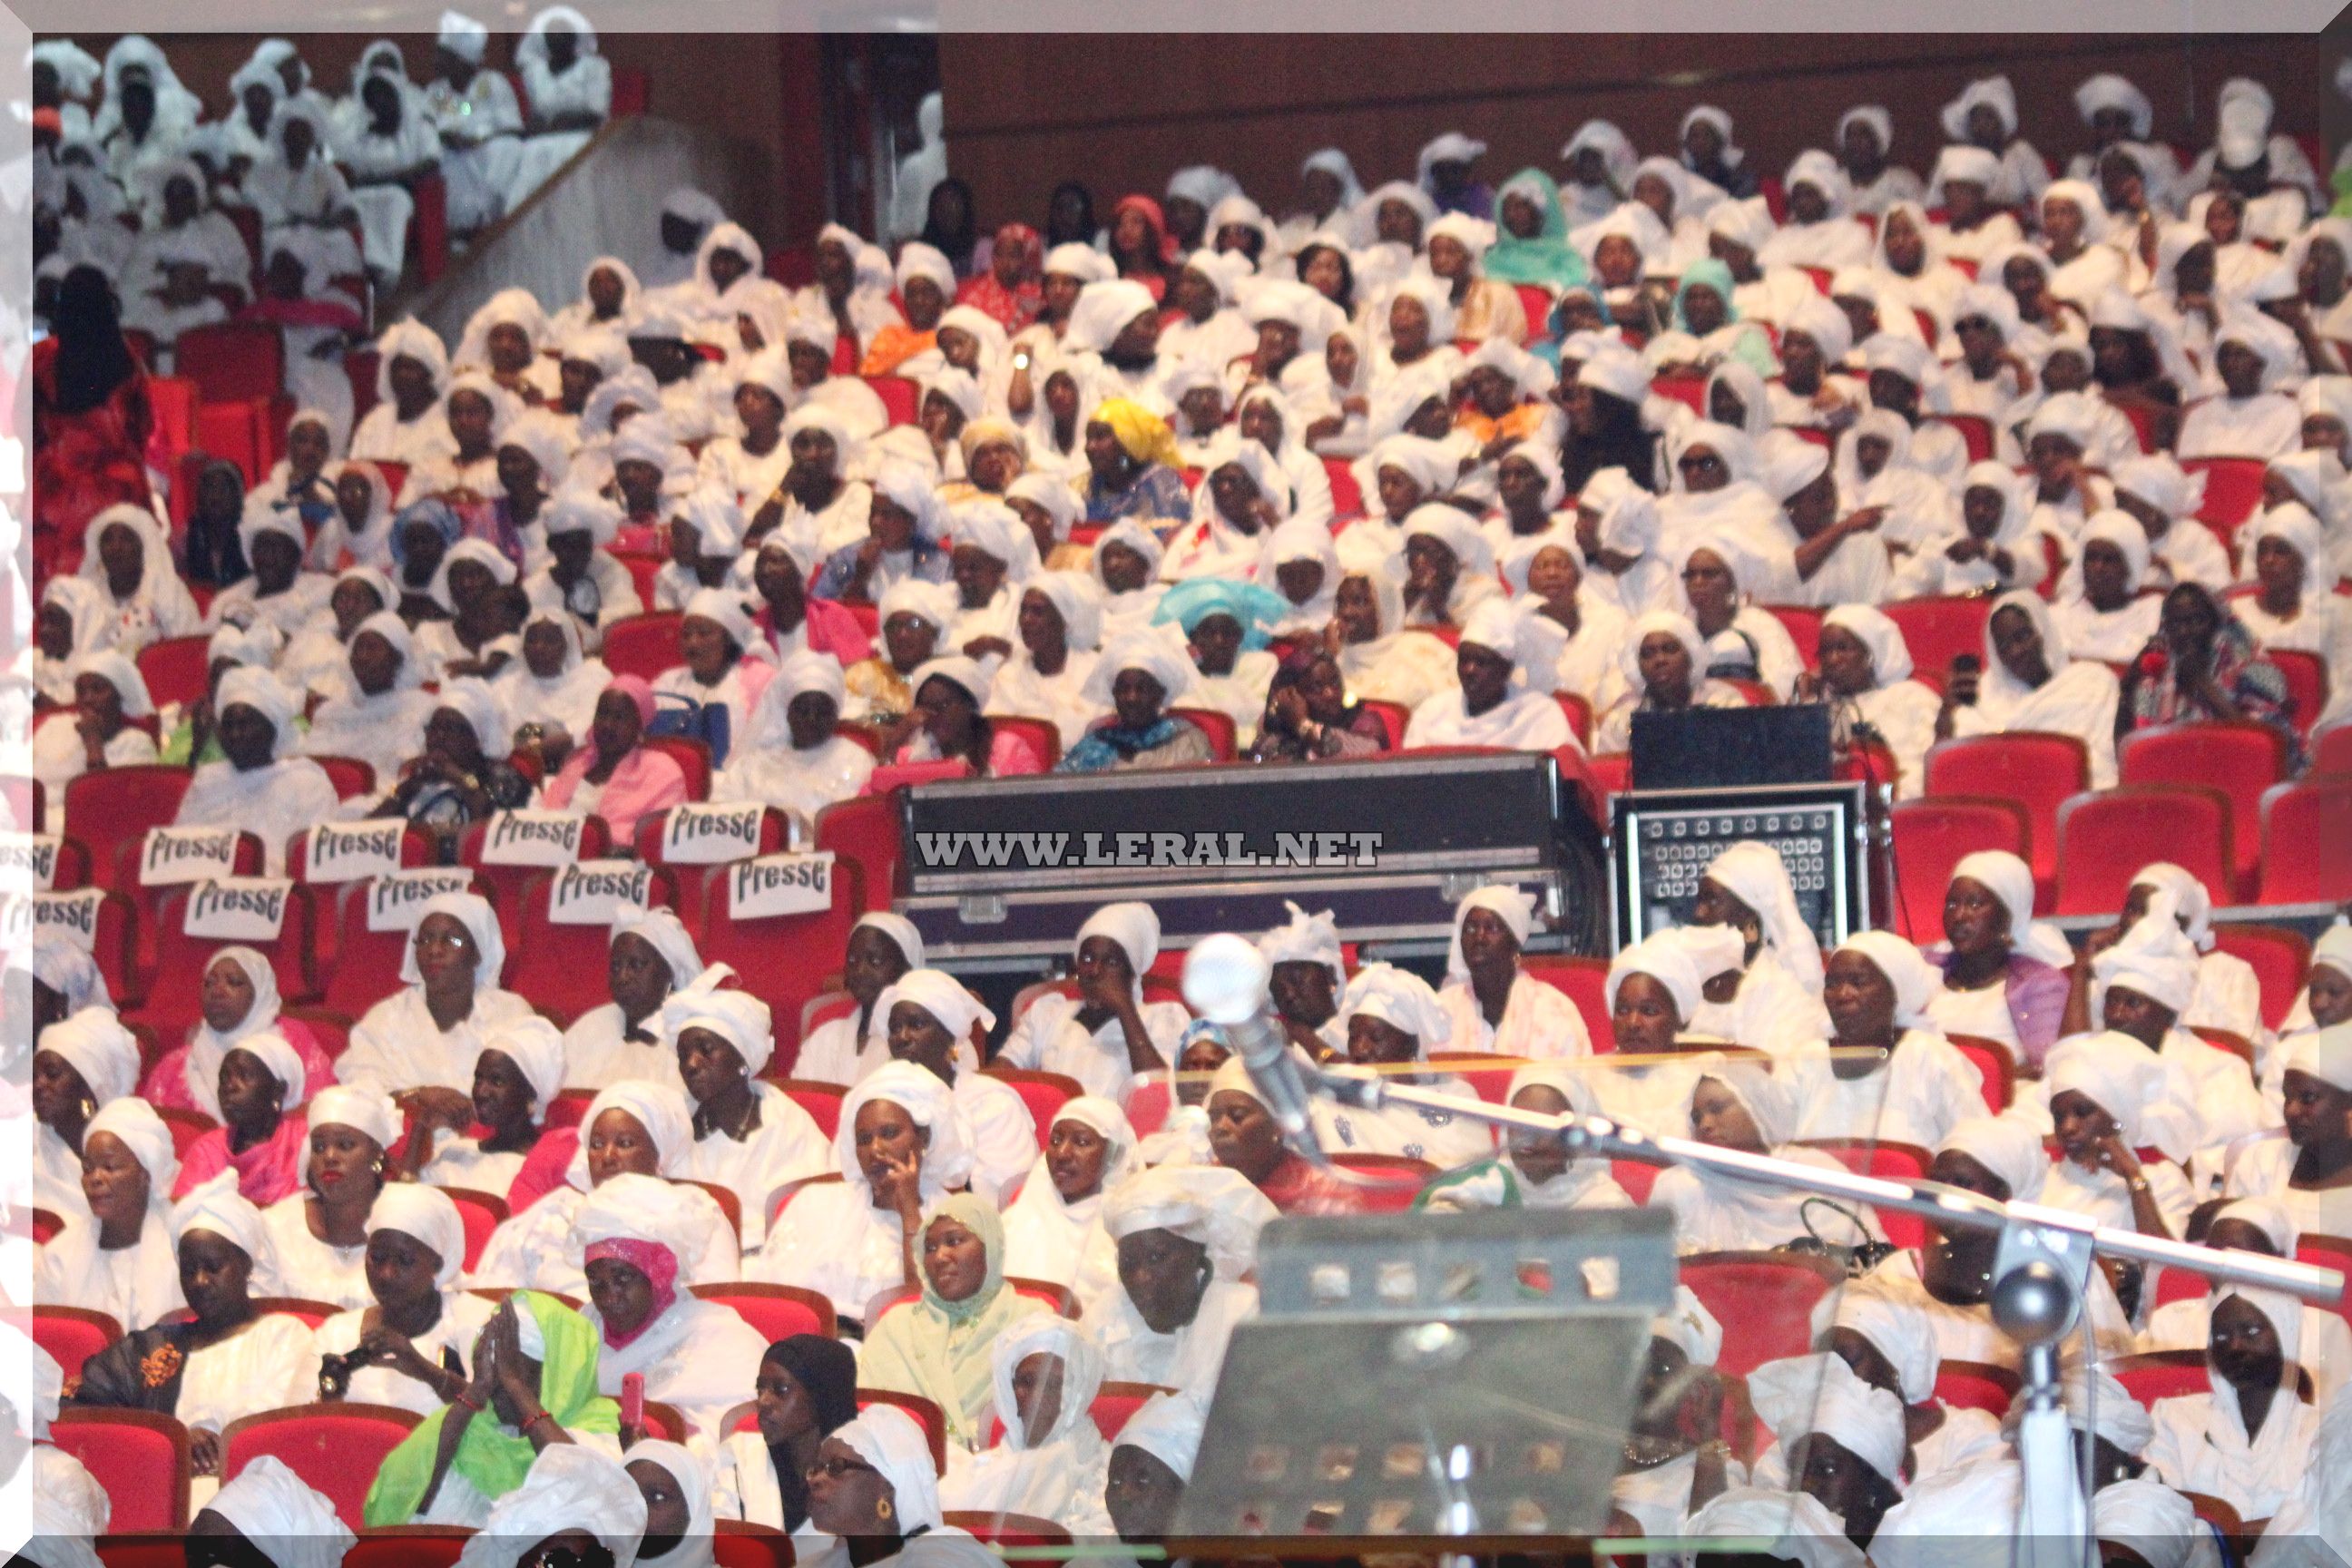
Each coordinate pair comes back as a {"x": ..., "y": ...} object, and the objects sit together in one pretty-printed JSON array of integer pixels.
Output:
[{"x": 1721, "y": 748}]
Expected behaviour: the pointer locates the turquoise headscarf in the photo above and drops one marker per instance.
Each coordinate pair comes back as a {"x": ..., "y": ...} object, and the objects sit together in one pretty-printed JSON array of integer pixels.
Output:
[
  {"x": 1547, "y": 258},
  {"x": 1257, "y": 609},
  {"x": 1714, "y": 275}
]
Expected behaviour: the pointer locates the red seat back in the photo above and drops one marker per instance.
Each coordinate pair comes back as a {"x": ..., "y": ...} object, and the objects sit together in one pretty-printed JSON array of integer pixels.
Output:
[
  {"x": 564, "y": 969},
  {"x": 2106, "y": 836},
  {"x": 232, "y": 362},
  {"x": 1931, "y": 836},
  {"x": 691, "y": 880},
  {"x": 2307, "y": 841},
  {"x": 1536, "y": 301},
  {"x": 109, "y": 809},
  {"x": 1044, "y": 1094},
  {"x": 176, "y": 669},
  {"x": 2038, "y": 771},
  {"x": 139, "y": 1457},
  {"x": 2162, "y": 1375},
  {"x": 1976, "y": 1385},
  {"x": 1219, "y": 727},
  {"x": 1937, "y": 630},
  {"x": 739, "y": 1543},
  {"x": 863, "y": 833},
  {"x": 336, "y": 1447},
  {"x": 693, "y": 759},
  {"x": 821, "y": 1101},
  {"x": 172, "y": 1001},
  {"x": 926, "y": 1413},
  {"x": 898, "y": 395},
  {"x": 1043, "y": 736},
  {"x": 1998, "y": 1065},
  {"x": 783, "y": 961},
  {"x": 1393, "y": 1180},
  {"x": 1690, "y": 391},
  {"x": 2233, "y": 491},
  {"x": 481, "y": 1213},
  {"x": 1763, "y": 1300},
  {"x": 72, "y": 1335},
  {"x": 1347, "y": 496},
  {"x": 644, "y": 645},
  {"x": 775, "y": 1311},
  {"x": 408, "y": 1546},
  {"x": 2279, "y": 958},
  {"x": 1585, "y": 981},
  {"x": 352, "y": 777},
  {"x": 1975, "y": 430},
  {"x": 1867, "y": 1157},
  {"x": 2241, "y": 759},
  {"x": 503, "y": 884},
  {"x": 2306, "y": 684},
  {"x": 1803, "y": 625}
]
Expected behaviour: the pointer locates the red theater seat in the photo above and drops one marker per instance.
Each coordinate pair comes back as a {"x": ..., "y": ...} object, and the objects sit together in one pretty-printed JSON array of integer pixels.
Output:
[
  {"x": 2038, "y": 771},
  {"x": 1044, "y": 1094},
  {"x": 110, "y": 809},
  {"x": 562, "y": 969},
  {"x": 1931, "y": 836},
  {"x": 140, "y": 1457},
  {"x": 2106, "y": 836},
  {"x": 1763, "y": 1300},
  {"x": 72, "y": 1335},
  {"x": 2307, "y": 841},
  {"x": 644, "y": 645},
  {"x": 2241, "y": 759},
  {"x": 776, "y": 1311}
]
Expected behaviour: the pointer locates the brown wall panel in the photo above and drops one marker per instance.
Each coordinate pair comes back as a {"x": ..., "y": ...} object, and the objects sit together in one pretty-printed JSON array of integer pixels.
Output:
[{"x": 1025, "y": 113}]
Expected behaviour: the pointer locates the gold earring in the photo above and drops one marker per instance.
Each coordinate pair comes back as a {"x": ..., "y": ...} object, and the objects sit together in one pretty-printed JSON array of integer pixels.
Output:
[{"x": 882, "y": 1509}]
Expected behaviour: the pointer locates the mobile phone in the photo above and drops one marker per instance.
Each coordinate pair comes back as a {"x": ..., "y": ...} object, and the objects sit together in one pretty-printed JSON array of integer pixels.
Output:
[{"x": 633, "y": 1399}]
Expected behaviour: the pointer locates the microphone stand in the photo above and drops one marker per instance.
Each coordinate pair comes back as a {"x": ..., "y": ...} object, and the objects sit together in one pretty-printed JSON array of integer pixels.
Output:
[{"x": 2043, "y": 1261}]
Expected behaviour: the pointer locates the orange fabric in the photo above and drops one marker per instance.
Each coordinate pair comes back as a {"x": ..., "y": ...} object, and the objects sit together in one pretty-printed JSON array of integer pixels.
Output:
[{"x": 893, "y": 346}]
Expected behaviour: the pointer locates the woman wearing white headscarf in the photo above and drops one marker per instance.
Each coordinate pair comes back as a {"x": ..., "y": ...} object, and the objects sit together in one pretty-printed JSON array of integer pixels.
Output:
[
  {"x": 638, "y": 1241},
  {"x": 1185, "y": 1236},
  {"x": 1777, "y": 1005},
  {"x": 2303, "y": 1168},
  {"x": 239, "y": 998},
  {"x": 1393, "y": 1020},
  {"x": 2110, "y": 1096},
  {"x": 2004, "y": 976},
  {"x": 632, "y": 1128},
  {"x": 1818, "y": 232},
  {"x": 874, "y": 1483},
  {"x": 1107, "y": 1034},
  {"x": 117, "y": 1258},
  {"x": 652, "y": 954},
  {"x": 93, "y": 1062},
  {"x": 2295, "y": 605},
  {"x": 92, "y": 735},
  {"x": 2110, "y": 621},
  {"x": 770, "y": 764},
  {"x": 1650, "y": 677},
  {"x": 2248, "y": 416},
  {"x": 276, "y": 1517},
  {"x": 1890, "y": 1345},
  {"x": 2244, "y": 1439},
  {"x": 882, "y": 946},
  {"x": 1383, "y": 661},
  {"x": 70, "y": 623},
  {"x": 1751, "y": 1106},
  {"x": 675, "y": 1483},
  {"x": 2260, "y": 1226},
  {"x": 558, "y": 696},
  {"x": 1877, "y": 989},
  {"x": 1052, "y": 1461},
  {"x": 261, "y": 787},
  {"x": 750, "y": 1138},
  {"x": 1866, "y": 678},
  {"x": 1071, "y": 637},
  {"x": 902, "y": 1145},
  {"x": 1490, "y": 705},
  {"x": 426, "y": 1035},
  {"x": 2031, "y": 683},
  {"x": 727, "y": 673},
  {"x": 2229, "y": 995},
  {"x": 571, "y": 1488},
  {"x": 1491, "y": 1003},
  {"x": 1053, "y": 1229},
  {"x": 517, "y": 1077},
  {"x": 569, "y": 88},
  {"x": 377, "y": 710},
  {"x": 127, "y": 556},
  {"x": 1534, "y": 1170},
  {"x": 417, "y": 1316}
]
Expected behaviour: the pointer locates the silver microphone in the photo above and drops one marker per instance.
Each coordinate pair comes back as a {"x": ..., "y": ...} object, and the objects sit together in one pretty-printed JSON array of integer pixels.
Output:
[{"x": 1225, "y": 983}]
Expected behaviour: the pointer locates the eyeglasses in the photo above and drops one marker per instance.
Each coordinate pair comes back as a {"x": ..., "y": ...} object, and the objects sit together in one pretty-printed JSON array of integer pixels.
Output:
[
  {"x": 835, "y": 1468},
  {"x": 455, "y": 938}
]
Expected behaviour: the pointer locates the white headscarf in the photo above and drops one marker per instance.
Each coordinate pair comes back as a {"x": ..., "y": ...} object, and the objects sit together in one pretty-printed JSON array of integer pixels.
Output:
[
  {"x": 739, "y": 1018},
  {"x": 2117, "y": 1074},
  {"x": 424, "y": 1214},
  {"x": 94, "y": 1042},
  {"x": 695, "y": 1548},
  {"x": 2011, "y": 880},
  {"x": 2153, "y": 958},
  {"x": 1208, "y": 1204},
  {"x": 1890, "y": 656},
  {"x": 928, "y": 1103},
  {"x": 1400, "y": 999},
  {"x": 536, "y": 1048},
  {"x": 473, "y": 911},
  {"x": 569, "y": 1487},
  {"x": 888, "y": 1438},
  {"x": 1799, "y": 1395},
  {"x": 1513, "y": 908},
  {"x": 657, "y": 1107},
  {"x": 1306, "y": 938},
  {"x": 2007, "y": 1147},
  {"x": 1753, "y": 873},
  {"x": 291, "y": 1523},
  {"x": 216, "y": 1205},
  {"x": 1915, "y": 980}
]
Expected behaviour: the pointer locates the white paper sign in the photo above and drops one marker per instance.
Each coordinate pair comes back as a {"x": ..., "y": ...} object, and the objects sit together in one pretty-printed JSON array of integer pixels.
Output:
[
  {"x": 712, "y": 835},
  {"x": 534, "y": 838},
  {"x": 173, "y": 857},
  {"x": 780, "y": 885},
  {"x": 589, "y": 892},
  {"x": 352, "y": 851},
  {"x": 238, "y": 908},
  {"x": 73, "y": 916},
  {"x": 35, "y": 855},
  {"x": 395, "y": 901}
]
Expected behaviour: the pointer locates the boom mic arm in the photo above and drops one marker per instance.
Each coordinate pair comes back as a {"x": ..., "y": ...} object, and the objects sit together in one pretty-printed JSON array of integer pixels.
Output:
[{"x": 1225, "y": 982}]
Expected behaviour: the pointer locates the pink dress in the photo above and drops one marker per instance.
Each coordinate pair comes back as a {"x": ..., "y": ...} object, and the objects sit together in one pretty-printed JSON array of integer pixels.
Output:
[
  {"x": 645, "y": 782},
  {"x": 270, "y": 1169},
  {"x": 167, "y": 1083}
]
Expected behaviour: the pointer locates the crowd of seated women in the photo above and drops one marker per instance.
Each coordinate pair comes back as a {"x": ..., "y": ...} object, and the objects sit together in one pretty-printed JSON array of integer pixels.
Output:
[{"x": 1400, "y": 469}]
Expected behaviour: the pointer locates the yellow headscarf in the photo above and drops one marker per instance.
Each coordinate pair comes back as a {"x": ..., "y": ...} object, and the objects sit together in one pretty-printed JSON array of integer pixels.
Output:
[{"x": 1144, "y": 434}]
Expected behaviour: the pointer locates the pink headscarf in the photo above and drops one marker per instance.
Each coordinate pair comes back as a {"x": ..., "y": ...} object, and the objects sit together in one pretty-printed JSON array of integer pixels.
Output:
[
  {"x": 658, "y": 1263},
  {"x": 643, "y": 783}
]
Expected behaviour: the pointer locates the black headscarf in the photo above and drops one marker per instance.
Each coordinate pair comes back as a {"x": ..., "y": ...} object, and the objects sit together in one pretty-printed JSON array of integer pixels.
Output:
[
  {"x": 828, "y": 1370},
  {"x": 955, "y": 244},
  {"x": 92, "y": 358}
]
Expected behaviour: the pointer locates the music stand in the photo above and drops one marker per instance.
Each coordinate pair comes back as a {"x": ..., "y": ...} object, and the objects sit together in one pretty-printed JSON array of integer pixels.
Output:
[{"x": 1430, "y": 1377}]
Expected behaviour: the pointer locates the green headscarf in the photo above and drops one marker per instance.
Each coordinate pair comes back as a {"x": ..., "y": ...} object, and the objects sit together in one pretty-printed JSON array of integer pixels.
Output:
[
  {"x": 489, "y": 1456},
  {"x": 946, "y": 1351},
  {"x": 1547, "y": 259}
]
